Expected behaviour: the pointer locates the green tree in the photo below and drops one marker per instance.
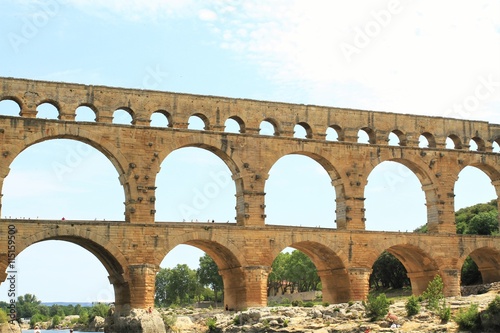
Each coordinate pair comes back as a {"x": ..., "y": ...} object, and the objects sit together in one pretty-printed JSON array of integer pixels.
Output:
[
  {"x": 178, "y": 285},
  {"x": 470, "y": 273},
  {"x": 300, "y": 270},
  {"x": 208, "y": 275},
  {"x": 484, "y": 223},
  {"x": 27, "y": 306},
  {"x": 277, "y": 278},
  {"x": 3, "y": 316},
  {"x": 98, "y": 309},
  {"x": 388, "y": 272},
  {"x": 434, "y": 293}
]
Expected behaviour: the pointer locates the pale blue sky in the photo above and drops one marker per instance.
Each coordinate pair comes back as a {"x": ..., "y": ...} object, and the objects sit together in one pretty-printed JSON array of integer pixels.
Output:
[{"x": 419, "y": 57}]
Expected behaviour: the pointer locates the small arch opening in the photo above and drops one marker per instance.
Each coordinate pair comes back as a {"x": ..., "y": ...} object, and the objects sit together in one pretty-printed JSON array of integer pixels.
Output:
[
  {"x": 196, "y": 122},
  {"x": 477, "y": 144},
  {"x": 427, "y": 140},
  {"x": 366, "y": 136},
  {"x": 232, "y": 125},
  {"x": 9, "y": 108},
  {"x": 267, "y": 127},
  {"x": 122, "y": 117},
  {"x": 334, "y": 133},
  {"x": 161, "y": 119},
  {"x": 47, "y": 111},
  {"x": 85, "y": 113},
  {"x": 453, "y": 142}
]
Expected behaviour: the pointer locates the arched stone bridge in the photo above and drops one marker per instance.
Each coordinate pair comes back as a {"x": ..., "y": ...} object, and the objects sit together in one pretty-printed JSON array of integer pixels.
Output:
[{"x": 132, "y": 250}]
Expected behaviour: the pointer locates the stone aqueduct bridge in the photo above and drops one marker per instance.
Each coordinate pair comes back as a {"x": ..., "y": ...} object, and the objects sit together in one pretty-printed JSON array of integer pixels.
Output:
[{"x": 132, "y": 250}]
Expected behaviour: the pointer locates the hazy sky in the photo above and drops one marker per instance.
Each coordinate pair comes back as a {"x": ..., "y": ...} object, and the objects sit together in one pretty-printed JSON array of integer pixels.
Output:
[{"x": 418, "y": 57}]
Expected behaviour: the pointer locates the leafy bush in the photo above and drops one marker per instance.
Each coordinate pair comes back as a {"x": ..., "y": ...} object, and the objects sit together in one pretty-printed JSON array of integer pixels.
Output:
[
  {"x": 494, "y": 306},
  {"x": 236, "y": 320},
  {"x": 434, "y": 293},
  {"x": 444, "y": 311},
  {"x": 285, "y": 301},
  {"x": 412, "y": 306},
  {"x": 3, "y": 316},
  {"x": 297, "y": 302},
  {"x": 56, "y": 320},
  {"x": 326, "y": 304},
  {"x": 37, "y": 318},
  {"x": 468, "y": 319},
  {"x": 169, "y": 320},
  {"x": 212, "y": 324},
  {"x": 377, "y": 307},
  {"x": 308, "y": 304}
]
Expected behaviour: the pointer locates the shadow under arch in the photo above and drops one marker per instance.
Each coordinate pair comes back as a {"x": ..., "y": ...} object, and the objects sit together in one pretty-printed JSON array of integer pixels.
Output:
[
  {"x": 108, "y": 255},
  {"x": 420, "y": 267},
  {"x": 113, "y": 155},
  {"x": 331, "y": 267},
  {"x": 231, "y": 265},
  {"x": 427, "y": 185},
  {"x": 487, "y": 260}
]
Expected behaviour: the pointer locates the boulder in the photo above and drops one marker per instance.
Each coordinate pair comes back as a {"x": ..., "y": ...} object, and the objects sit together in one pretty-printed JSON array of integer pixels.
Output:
[{"x": 138, "y": 321}]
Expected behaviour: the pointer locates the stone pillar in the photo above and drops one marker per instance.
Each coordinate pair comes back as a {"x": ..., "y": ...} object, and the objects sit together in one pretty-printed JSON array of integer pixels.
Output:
[
  {"x": 440, "y": 210},
  {"x": 252, "y": 130},
  {"x": 420, "y": 280},
  {"x": 351, "y": 211},
  {"x": 336, "y": 288},
  {"x": 451, "y": 282},
  {"x": 122, "y": 295},
  {"x": 180, "y": 125},
  {"x": 250, "y": 206},
  {"x": 142, "y": 279},
  {"x": 29, "y": 112},
  {"x": 359, "y": 280},
  {"x": 141, "y": 122},
  {"x": 245, "y": 286}
]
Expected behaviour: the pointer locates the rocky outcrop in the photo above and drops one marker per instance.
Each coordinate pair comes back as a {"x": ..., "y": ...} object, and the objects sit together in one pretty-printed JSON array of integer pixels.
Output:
[
  {"x": 138, "y": 321},
  {"x": 10, "y": 328}
]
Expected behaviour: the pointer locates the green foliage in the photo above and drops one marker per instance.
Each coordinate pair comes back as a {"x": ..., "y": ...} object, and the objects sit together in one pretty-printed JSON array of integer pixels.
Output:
[
  {"x": 434, "y": 293},
  {"x": 84, "y": 317},
  {"x": 468, "y": 318},
  {"x": 388, "y": 272},
  {"x": 412, "y": 306},
  {"x": 308, "y": 304},
  {"x": 211, "y": 324},
  {"x": 377, "y": 306},
  {"x": 27, "y": 306},
  {"x": 98, "y": 309},
  {"x": 286, "y": 301},
  {"x": 297, "y": 302},
  {"x": 236, "y": 320},
  {"x": 482, "y": 224},
  {"x": 56, "y": 320},
  {"x": 178, "y": 285},
  {"x": 293, "y": 272},
  {"x": 37, "y": 318},
  {"x": 494, "y": 306},
  {"x": 169, "y": 320},
  {"x": 444, "y": 311},
  {"x": 326, "y": 304},
  {"x": 470, "y": 273},
  {"x": 208, "y": 275},
  {"x": 3, "y": 316}
]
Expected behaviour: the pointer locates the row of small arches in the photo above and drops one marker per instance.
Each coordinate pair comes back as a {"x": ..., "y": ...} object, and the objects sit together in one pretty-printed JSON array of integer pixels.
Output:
[{"x": 302, "y": 130}]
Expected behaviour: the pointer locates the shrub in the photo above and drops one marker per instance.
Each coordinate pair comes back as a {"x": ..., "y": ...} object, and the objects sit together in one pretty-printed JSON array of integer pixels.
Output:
[
  {"x": 377, "y": 307},
  {"x": 285, "y": 301},
  {"x": 3, "y": 316},
  {"x": 308, "y": 304},
  {"x": 169, "y": 320},
  {"x": 468, "y": 319},
  {"x": 444, "y": 311},
  {"x": 494, "y": 306},
  {"x": 236, "y": 320},
  {"x": 412, "y": 306},
  {"x": 434, "y": 293},
  {"x": 37, "y": 318},
  {"x": 326, "y": 304},
  {"x": 56, "y": 320},
  {"x": 212, "y": 324},
  {"x": 297, "y": 302}
]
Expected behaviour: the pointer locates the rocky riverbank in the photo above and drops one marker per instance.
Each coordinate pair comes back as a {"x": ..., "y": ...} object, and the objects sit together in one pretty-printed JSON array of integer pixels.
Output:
[{"x": 345, "y": 318}]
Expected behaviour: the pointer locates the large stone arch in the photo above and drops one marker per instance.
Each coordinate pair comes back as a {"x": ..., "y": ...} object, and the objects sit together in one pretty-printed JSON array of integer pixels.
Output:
[
  {"x": 109, "y": 255},
  {"x": 420, "y": 266},
  {"x": 336, "y": 179},
  {"x": 428, "y": 183},
  {"x": 329, "y": 257},
  {"x": 112, "y": 153},
  {"x": 231, "y": 262},
  {"x": 487, "y": 259},
  {"x": 232, "y": 163},
  {"x": 490, "y": 170}
]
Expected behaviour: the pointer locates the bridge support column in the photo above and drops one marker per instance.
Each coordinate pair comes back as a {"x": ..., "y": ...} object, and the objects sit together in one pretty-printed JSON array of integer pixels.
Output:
[
  {"x": 420, "y": 281},
  {"x": 245, "y": 286},
  {"x": 489, "y": 275},
  {"x": 335, "y": 284},
  {"x": 142, "y": 285},
  {"x": 359, "y": 279},
  {"x": 350, "y": 213},
  {"x": 451, "y": 282}
]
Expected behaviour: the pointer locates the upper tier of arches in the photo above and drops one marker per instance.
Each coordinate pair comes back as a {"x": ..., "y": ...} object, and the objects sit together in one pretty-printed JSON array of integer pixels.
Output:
[{"x": 286, "y": 120}]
